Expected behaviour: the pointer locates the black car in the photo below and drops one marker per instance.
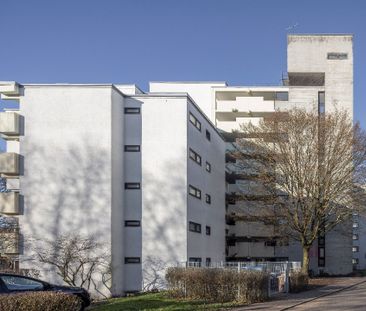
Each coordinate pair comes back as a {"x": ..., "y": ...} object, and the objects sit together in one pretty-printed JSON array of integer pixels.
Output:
[{"x": 12, "y": 283}]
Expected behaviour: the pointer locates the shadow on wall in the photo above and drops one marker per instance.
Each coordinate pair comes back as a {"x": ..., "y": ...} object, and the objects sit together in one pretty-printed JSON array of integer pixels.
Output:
[
  {"x": 164, "y": 217},
  {"x": 66, "y": 190}
]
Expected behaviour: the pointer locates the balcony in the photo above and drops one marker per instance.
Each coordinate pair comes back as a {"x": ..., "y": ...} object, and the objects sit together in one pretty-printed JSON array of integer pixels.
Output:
[
  {"x": 9, "y": 203},
  {"x": 9, "y": 164},
  {"x": 9, "y": 241},
  {"x": 9, "y": 90},
  {"x": 9, "y": 123}
]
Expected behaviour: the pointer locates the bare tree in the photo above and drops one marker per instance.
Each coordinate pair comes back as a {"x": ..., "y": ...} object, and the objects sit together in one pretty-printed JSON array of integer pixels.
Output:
[
  {"x": 307, "y": 167},
  {"x": 78, "y": 260}
]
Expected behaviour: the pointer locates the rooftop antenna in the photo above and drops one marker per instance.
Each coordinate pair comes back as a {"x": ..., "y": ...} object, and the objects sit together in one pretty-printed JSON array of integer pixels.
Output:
[{"x": 289, "y": 28}]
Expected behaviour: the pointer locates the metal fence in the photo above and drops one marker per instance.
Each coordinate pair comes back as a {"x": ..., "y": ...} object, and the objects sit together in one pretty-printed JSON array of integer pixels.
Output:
[{"x": 278, "y": 271}]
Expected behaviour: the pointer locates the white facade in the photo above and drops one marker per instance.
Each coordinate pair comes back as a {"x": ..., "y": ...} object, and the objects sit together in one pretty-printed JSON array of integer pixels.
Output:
[{"x": 115, "y": 167}]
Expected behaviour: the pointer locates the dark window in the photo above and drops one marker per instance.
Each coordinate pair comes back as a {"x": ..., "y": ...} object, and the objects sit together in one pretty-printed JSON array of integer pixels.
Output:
[
  {"x": 208, "y": 167},
  {"x": 132, "y": 185},
  {"x": 208, "y": 262},
  {"x": 208, "y": 230},
  {"x": 132, "y": 223},
  {"x": 194, "y": 121},
  {"x": 208, "y": 199},
  {"x": 195, "y": 156},
  {"x": 321, "y": 262},
  {"x": 132, "y": 110},
  {"x": 355, "y": 237},
  {"x": 208, "y": 135},
  {"x": 18, "y": 283},
  {"x": 321, "y": 102},
  {"x": 194, "y": 192},
  {"x": 194, "y": 227},
  {"x": 132, "y": 148},
  {"x": 132, "y": 260},
  {"x": 337, "y": 56},
  {"x": 355, "y": 249}
]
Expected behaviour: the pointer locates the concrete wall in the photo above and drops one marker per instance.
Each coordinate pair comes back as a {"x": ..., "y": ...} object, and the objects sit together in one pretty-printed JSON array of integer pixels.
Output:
[{"x": 66, "y": 178}]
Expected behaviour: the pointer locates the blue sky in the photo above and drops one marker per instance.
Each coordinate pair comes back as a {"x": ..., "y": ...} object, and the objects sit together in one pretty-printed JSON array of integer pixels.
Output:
[{"x": 242, "y": 42}]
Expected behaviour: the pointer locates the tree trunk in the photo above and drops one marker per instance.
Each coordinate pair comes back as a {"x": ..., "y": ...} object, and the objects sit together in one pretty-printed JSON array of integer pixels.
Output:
[{"x": 305, "y": 259}]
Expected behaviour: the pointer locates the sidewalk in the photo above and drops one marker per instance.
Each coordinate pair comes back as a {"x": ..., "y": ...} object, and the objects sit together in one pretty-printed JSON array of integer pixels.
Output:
[{"x": 286, "y": 301}]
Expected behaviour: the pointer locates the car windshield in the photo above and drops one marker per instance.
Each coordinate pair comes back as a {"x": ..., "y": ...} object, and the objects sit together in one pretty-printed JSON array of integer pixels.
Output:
[{"x": 20, "y": 283}]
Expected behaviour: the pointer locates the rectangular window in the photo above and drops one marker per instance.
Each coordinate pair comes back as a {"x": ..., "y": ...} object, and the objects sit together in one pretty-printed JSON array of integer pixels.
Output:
[
  {"x": 321, "y": 102},
  {"x": 355, "y": 225},
  {"x": 354, "y": 236},
  {"x": 208, "y": 167},
  {"x": 132, "y": 260},
  {"x": 208, "y": 199},
  {"x": 321, "y": 262},
  {"x": 355, "y": 249},
  {"x": 132, "y": 223},
  {"x": 208, "y": 262},
  {"x": 195, "y": 156},
  {"x": 194, "y": 121},
  {"x": 208, "y": 230},
  {"x": 355, "y": 261},
  {"x": 193, "y": 191},
  {"x": 132, "y": 110},
  {"x": 270, "y": 243},
  {"x": 132, "y": 185},
  {"x": 194, "y": 227},
  {"x": 321, "y": 252},
  {"x": 337, "y": 56},
  {"x": 282, "y": 96},
  {"x": 132, "y": 148},
  {"x": 208, "y": 135}
]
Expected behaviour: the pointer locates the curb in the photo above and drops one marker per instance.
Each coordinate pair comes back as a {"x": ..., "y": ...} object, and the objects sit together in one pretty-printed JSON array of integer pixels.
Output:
[{"x": 323, "y": 295}]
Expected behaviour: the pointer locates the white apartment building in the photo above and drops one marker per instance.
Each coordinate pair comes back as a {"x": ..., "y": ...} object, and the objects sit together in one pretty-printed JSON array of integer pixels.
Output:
[{"x": 145, "y": 173}]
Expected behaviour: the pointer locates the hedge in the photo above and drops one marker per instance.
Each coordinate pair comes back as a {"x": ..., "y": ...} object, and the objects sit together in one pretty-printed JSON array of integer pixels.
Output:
[
  {"x": 218, "y": 285},
  {"x": 40, "y": 301},
  {"x": 299, "y": 281}
]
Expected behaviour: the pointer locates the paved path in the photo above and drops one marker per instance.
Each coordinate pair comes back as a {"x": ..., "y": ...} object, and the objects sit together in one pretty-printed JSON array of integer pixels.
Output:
[
  {"x": 305, "y": 300},
  {"x": 353, "y": 299}
]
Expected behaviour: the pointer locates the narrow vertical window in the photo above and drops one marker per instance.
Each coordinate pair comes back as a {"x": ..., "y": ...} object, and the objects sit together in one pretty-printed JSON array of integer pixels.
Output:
[
  {"x": 208, "y": 199},
  {"x": 321, "y": 102},
  {"x": 208, "y": 167},
  {"x": 208, "y": 135}
]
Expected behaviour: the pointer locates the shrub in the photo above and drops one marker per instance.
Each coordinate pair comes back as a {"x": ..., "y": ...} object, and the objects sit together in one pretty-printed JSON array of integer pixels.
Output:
[
  {"x": 40, "y": 301},
  {"x": 299, "y": 281},
  {"x": 217, "y": 285}
]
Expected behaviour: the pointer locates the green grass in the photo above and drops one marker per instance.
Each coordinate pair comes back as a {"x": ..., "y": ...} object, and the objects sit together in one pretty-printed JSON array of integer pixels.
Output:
[{"x": 156, "y": 301}]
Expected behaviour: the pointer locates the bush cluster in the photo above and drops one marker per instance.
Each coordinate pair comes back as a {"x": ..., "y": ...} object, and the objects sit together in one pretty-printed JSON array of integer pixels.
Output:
[
  {"x": 40, "y": 301},
  {"x": 218, "y": 285},
  {"x": 299, "y": 281}
]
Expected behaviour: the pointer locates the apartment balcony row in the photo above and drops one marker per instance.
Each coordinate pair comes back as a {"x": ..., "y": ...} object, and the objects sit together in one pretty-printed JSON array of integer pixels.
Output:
[
  {"x": 9, "y": 124},
  {"x": 9, "y": 241},
  {"x": 9, "y": 203},
  {"x": 9, "y": 164}
]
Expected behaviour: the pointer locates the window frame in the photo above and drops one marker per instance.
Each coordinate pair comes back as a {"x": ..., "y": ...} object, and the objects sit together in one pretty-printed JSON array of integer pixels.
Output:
[
  {"x": 208, "y": 198},
  {"x": 196, "y": 123},
  {"x": 194, "y": 227},
  {"x": 132, "y": 223},
  {"x": 208, "y": 167},
  {"x": 132, "y": 260},
  {"x": 337, "y": 56},
  {"x": 132, "y": 110},
  {"x": 138, "y": 148},
  {"x": 208, "y": 135},
  {"x": 195, "y": 157},
  {"x": 129, "y": 184},
  {"x": 208, "y": 230},
  {"x": 197, "y": 192}
]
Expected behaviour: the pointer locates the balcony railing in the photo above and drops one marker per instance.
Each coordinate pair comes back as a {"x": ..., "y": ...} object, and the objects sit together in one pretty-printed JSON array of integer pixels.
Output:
[
  {"x": 9, "y": 203},
  {"x": 9, "y": 123},
  {"x": 9, "y": 164}
]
